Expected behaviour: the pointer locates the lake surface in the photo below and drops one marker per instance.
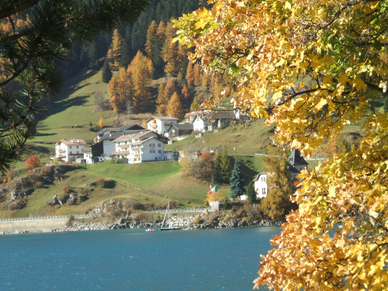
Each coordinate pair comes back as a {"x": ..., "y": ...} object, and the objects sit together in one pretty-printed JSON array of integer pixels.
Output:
[{"x": 224, "y": 259}]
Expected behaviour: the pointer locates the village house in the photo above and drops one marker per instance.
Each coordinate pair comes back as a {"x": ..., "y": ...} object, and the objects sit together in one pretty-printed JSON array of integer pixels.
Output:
[
  {"x": 104, "y": 145},
  {"x": 142, "y": 147},
  {"x": 69, "y": 150},
  {"x": 160, "y": 124},
  {"x": 295, "y": 165},
  {"x": 179, "y": 129},
  {"x": 88, "y": 155},
  {"x": 210, "y": 121}
]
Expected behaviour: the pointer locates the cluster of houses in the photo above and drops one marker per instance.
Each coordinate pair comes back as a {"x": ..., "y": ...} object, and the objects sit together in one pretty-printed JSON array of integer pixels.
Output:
[{"x": 137, "y": 144}]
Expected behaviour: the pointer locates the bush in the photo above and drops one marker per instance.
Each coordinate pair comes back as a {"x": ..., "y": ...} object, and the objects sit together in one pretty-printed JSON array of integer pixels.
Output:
[{"x": 32, "y": 162}]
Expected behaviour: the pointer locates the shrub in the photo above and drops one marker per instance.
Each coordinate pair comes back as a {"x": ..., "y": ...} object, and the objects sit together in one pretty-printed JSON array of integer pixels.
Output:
[{"x": 32, "y": 162}]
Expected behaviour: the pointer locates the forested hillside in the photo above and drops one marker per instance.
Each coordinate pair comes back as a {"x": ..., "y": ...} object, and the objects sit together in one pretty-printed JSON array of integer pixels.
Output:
[{"x": 132, "y": 56}]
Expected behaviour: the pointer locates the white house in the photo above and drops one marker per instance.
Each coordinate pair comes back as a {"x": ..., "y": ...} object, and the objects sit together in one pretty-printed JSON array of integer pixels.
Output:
[
  {"x": 141, "y": 147},
  {"x": 160, "y": 124},
  {"x": 260, "y": 184},
  {"x": 200, "y": 123},
  {"x": 88, "y": 155},
  {"x": 69, "y": 150}
]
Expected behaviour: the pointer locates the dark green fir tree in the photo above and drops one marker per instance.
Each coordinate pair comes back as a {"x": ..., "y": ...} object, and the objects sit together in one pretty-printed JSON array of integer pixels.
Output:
[
  {"x": 106, "y": 72},
  {"x": 251, "y": 193},
  {"x": 237, "y": 180}
]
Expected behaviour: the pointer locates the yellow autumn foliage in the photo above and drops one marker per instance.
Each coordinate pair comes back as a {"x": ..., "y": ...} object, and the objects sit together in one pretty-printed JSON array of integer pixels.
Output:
[{"x": 311, "y": 68}]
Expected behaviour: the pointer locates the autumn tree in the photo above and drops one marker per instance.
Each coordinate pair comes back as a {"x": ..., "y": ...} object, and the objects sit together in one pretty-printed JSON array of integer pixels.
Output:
[
  {"x": 140, "y": 69},
  {"x": 250, "y": 192},
  {"x": 116, "y": 49},
  {"x": 32, "y": 162},
  {"x": 170, "y": 51},
  {"x": 101, "y": 123},
  {"x": 161, "y": 101},
  {"x": 30, "y": 54},
  {"x": 190, "y": 75},
  {"x": 151, "y": 39},
  {"x": 197, "y": 75},
  {"x": 311, "y": 68},
  {"x": 195, "y": 105},
  {"x": 226, "y": 165},
  {"x": 174, "y": 107},
  {"x": 277, "y": 203}
]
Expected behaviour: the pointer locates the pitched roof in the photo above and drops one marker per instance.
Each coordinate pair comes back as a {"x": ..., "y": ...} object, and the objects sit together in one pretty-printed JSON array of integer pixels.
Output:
[
  {"x": 296, "y": 159},
  {"x": 182, "y": 126},
  {"x": 87, "y": 150},
  {"x": 166, "y": 118},
  {"x": 131, "y": 127},
  {"x": 134, "y": 136},
  {"x": 256, "y": 178},
  {"x": 71, "y": 142}
]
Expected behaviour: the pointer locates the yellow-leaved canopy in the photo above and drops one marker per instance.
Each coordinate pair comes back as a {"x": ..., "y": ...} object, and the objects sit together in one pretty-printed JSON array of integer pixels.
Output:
[{"x": 312, "y": 67}]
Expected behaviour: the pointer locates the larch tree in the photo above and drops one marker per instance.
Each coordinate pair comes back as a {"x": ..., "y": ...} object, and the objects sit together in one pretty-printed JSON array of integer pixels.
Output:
[
  {"x": 277, "y": 203},
  {"x": 312, "y": 67},
  {"x": 113, "y": 92},
  {"x": 151, "y": 39},
  {"x": 197, "y": 75},
  {"x": 190, "y": 75},
  {"x": 169, "y": 90},
  {"x": 35, "y": 36},
  {"x": 185, "y": 93},
  {"x": 161, "y": 102},
  {"x": 170, "y": 51},
  {"x": 174, "y": 107},
  {"x": 195, "y": 105},
  {"x": 161, "y": 32},
  {"x": 226, "y": 166},
  {"x": 101, "y": 123},
  {"x": 140, "y": 69},
  {"x": 117, "y": 41}
]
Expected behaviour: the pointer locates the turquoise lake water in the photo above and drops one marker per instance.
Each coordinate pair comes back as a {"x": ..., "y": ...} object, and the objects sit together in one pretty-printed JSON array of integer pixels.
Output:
[{"x": 225, "y": 259}]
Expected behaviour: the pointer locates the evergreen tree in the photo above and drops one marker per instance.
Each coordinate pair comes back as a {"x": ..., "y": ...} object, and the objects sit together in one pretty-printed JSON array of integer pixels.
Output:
[
  {"x": 250, "y": 192},
  {"x": 106, "y": 72},
  {"x": 174, "y": 107},
  {"x": 156, "y": 58},
  {"x": 170, "y": 51},
  {"x": 126, "y": 50},
  {"x": 226, "y": 166},
  {"x": 217, "y": 168},
  {"x": 237, "y": 180}
]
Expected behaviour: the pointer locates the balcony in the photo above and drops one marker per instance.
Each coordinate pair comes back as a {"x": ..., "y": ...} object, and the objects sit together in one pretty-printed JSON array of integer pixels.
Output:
[{"x": 120, "y": 152}]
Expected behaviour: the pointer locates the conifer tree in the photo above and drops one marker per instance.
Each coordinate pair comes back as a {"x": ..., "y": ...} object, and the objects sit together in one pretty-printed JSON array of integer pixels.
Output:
[
  {"x": 116, "y": 49},
  {"x": 170, "y": 50},
  {"x": 174, "y": 107},
  {"x": 185, "y": 93},
  {"x": 226, "y": 166},
  {"x": 277, "y": 203},
  {"x": 217, "y": 168},
  {"x": 156, "y": 57},
  {"x": 106, "y": 72},
  {"x": 101, "y": 123},
  {"x": 190, "y": 75},
  {"x": 140, "y": 75},
  {"x": 197, "y": 75},
  {"x": 161, "y": 32},
  {"x": 161, "y": 101},
  {"x": 114, "y": 95},
  {"x": 195, "y": 105},
  {"x": 237, "y": 180},
  {"x": 169, "y": 90},
  {"x": 151, "y": 39},
  {"x": 250, "y": 192},
  {"x": 126, "y": 50}
]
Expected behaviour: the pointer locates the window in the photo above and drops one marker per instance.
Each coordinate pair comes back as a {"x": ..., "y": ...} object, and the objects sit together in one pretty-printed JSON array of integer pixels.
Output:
[
  {"x": 159, "y": 145},
  {"x": 262, "y": 179},
  {"x": 152, "y": 151},
  {"x": 159, "y": 151},
  {"x": 264, "y": 191},
  {"x": 152, "y": 145},
  {"x": 77, "y": 147}
]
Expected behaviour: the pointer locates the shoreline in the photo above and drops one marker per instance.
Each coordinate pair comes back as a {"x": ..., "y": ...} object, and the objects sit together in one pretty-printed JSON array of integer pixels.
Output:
[{"x": 74, "y": 226}]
